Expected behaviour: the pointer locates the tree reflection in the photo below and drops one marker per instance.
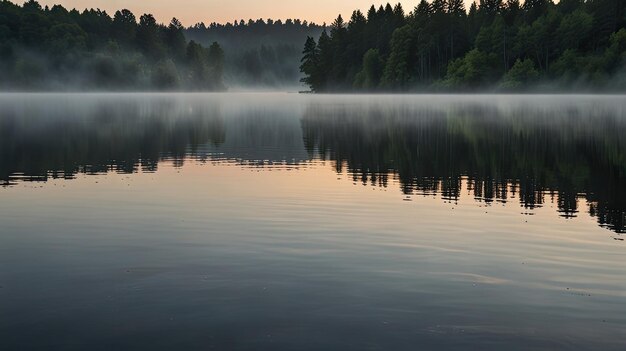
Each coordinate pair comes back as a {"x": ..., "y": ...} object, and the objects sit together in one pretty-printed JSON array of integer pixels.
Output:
[
  {"x": 531, "y": 153},
  {"x": 102, "y": 137},
  {"x": 527, "y": 153}
]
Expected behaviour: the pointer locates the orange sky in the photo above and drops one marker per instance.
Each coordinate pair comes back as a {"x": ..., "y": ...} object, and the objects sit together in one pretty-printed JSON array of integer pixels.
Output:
[{"x": 193, "y": 11}]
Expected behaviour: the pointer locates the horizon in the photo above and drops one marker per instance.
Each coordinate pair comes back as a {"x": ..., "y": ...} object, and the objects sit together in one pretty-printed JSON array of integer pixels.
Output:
[{"x": 320, "y": 12}]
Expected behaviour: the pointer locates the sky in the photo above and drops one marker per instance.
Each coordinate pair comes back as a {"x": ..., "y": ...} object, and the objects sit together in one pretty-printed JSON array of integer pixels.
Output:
[{"x": 222, "y": 11}]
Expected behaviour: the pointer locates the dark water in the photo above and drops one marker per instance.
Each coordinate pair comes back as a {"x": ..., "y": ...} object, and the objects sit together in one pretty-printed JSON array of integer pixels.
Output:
[{"x": 297, "y": 222}]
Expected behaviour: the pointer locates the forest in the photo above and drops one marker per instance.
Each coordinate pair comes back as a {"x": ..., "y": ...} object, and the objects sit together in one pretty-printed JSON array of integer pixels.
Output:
[
  {"x": 538, "y": 45},
  {"x": 572, "y": 45},
  {"x": 44, "y": 48}
]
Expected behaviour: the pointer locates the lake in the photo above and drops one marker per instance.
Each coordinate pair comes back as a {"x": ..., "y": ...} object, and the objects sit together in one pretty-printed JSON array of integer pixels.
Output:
[{"x": 275, "y": 221}]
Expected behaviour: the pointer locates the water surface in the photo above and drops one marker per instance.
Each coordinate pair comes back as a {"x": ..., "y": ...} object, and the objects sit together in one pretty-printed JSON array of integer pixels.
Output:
[{"x": 301, "y": 222}]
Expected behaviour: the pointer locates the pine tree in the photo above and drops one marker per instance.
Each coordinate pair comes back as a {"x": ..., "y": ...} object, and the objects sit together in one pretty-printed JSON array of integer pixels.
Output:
[{"x": 309, "y": 66}]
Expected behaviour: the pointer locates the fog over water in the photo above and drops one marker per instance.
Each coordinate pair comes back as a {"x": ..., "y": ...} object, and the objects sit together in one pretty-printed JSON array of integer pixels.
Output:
[{"x": 281, "y": 221}]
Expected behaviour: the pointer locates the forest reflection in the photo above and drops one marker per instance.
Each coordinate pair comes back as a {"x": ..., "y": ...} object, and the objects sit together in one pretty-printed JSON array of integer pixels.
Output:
[
  {"x": 530, "y": 153},
  {"x": 524, "y": 152},
  {"x": 40, "y": 142}
]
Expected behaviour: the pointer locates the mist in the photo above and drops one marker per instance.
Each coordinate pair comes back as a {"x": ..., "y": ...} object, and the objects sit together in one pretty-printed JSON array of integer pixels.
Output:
[
  {"x": 259, "y": 54},
  {"x": 56, "y": 49},
  {"x": 53, "y": 49}
]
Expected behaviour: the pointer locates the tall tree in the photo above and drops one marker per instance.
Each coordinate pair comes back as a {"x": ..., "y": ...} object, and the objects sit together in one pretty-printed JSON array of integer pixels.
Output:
[{"x": 309, "y": 64}]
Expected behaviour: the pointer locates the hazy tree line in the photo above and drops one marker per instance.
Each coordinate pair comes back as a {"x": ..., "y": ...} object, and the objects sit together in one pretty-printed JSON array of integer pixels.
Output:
[
  {"x": 55, "y": 47},
  {"x": 274, "y": 64},
  {"x": 262, "y": 52},
  {"x": 507, "y": 45}
]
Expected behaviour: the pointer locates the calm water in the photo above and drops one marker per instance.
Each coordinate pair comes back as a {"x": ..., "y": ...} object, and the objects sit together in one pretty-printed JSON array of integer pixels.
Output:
[{"x": 299, "y": 222}]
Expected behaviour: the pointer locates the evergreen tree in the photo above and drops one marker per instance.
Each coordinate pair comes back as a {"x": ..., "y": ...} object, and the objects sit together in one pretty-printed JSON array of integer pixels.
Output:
[
  {"x": 495, "y": 44},
  {"x": 310, "y": 63},
  {"x": 41, "y": 47}
]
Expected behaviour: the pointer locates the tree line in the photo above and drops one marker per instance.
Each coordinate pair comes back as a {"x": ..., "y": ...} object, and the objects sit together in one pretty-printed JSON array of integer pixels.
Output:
[
  {"x": 497, "y": 44},
  {"x": 52, "y": 47}
]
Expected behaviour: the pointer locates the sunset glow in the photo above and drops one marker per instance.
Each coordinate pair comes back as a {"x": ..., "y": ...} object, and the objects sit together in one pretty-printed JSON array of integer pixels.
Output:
[{"x": 208, "y": 11}]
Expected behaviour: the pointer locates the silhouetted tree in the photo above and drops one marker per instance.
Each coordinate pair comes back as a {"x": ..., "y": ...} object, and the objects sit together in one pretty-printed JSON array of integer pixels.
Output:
[{"x": 495, "y": 44}]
